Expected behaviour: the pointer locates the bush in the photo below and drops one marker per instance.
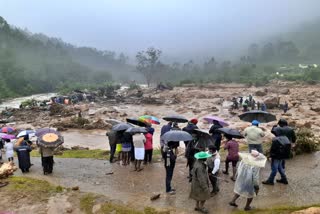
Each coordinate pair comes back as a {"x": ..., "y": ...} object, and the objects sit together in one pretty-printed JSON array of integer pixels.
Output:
[{"x": 306, "y": 142}]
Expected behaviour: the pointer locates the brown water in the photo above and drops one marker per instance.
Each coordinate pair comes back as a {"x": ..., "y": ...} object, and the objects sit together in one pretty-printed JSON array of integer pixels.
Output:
[{"x": 135, "y": 188}]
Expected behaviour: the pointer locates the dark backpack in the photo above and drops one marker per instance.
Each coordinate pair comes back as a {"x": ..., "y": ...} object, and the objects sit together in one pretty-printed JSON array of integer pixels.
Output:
[{"x": 284, "y": 147}]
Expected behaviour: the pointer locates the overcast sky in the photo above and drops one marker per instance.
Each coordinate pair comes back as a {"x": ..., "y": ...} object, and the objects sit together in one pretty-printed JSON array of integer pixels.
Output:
[{"x": 178, "y": 27}]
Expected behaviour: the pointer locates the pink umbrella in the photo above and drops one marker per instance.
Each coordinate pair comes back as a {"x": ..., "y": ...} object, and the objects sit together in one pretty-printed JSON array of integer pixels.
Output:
[
  {"x": 8, "y": 136},
  {"x": 210, "y": 119}
]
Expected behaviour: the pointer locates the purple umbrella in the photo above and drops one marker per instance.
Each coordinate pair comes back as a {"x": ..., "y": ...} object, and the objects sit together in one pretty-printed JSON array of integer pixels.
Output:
[
  {"x": 210, "y": 119},
  {"x": 43, "y": 131},
  {"x": 8, "y": 136}
]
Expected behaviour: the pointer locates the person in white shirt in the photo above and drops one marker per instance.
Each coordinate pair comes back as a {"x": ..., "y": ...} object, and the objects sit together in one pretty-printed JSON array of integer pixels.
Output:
[
  {"x": 213, "y": 168},
  {"x": 9, "y": 150}
]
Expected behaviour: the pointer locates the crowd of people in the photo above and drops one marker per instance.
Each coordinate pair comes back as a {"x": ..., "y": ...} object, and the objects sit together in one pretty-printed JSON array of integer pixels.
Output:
[
  {"x": 134, "y": 145},
  {"x": 203, "y": 158}
]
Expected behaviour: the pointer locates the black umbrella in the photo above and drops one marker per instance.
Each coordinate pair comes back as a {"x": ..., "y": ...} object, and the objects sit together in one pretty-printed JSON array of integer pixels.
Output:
[
  {"x": 50, "y": 140},
  {"x": 176, "y": 118},
  {"x": 137, "y": 122},
  {"x": 261, "y": 116},
  {"x": 232, "y": 132},
  {"x": 200, "y": 132},
  {"x": 135, "y": 130},
  {"x": 121, "y": 127},
  {"x": 176, "y": 135}
]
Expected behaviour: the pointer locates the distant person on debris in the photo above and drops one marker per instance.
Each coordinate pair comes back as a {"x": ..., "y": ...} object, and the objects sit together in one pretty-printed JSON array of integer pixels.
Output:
[
  {"x": 233, "y": 149},
  {"x": 213, "y": 163},
  {"x": 241, "y": 100},
  {"x": 113, "y": 140},
  {"x": 254, "y": 136},
  {"x": 216, "y": 135},
  {"x": 263, "y": 107},
  {"x": 9, "y": 150},
  {"x": 245, "y": 106},
  {"x": 258, "y": 105},
  {"x": 148, "y": 146},
  {"x": 253, "y": 104},
  {"x": 170, "y": 155},
  {"x": 200, "y": 191},
  {"x": 138, "y": 141},
  {"x": 164, "y": 130},
  {"x": 285, "y": 107},
  {"x": 247, "y": 181},
  {"x": 23, "y": 150}
]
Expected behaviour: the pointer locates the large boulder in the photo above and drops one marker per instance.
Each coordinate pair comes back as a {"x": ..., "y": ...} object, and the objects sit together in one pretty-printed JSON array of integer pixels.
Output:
[
  {"x": 272, "y": 102},
  {"x": 260, "y": 93},
  {"x": 284, "y": 91}
]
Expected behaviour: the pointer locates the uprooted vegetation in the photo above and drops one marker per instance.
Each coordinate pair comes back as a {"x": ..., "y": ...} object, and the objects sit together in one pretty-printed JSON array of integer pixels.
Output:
[{"x": 306, "y": 142}]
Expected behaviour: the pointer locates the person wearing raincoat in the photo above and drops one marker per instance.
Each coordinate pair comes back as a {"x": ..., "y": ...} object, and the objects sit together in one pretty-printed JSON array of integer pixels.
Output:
[
  {"x": 247, "y": 182},
  {"x": 47, "y": 159},
  {"x": 200, "y": 191},
  {"x": 23, "y": 150}
]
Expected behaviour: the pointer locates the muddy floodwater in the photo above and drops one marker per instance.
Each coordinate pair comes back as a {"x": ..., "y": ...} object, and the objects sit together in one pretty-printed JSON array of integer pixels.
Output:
[{"x": 135, "y": 188}]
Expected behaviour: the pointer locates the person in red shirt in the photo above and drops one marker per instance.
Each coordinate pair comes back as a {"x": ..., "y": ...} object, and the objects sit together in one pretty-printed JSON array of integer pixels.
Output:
[
  {"x": 233, "y": 149},
  {"x": 148, "y": 147}
]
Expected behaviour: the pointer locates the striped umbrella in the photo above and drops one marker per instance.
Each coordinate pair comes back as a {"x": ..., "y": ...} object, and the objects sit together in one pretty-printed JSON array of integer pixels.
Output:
[
  {"x": 149, "y": 119},
  {"x": 7, "y": 129}
]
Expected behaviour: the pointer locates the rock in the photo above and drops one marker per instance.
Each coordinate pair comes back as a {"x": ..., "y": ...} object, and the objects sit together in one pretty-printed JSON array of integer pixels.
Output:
[
  {"x": 316, "y": 109},
  {"x": 260, "y": 93},
  {"x": 310, "y": 210},
  {"x": 96, "y": 208},
  {"x": 271, "y": 102},
  {"x": 7, "y": 169},
  {"x": 155, "y": 197},
  {"x": 69, "y": 210},
  {"x": 75, "y": 188},
  {"x": 284, "y": 91},
  {"x": 79, "y": 148},
  {"x": 92, "y": 112}
]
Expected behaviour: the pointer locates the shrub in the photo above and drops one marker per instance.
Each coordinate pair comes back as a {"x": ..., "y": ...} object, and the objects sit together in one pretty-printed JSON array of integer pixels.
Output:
[{"x": 306, "y": 142}]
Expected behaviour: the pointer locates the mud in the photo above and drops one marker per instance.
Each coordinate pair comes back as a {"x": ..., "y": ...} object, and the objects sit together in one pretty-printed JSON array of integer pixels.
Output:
[{"x": 136, "y": 188}]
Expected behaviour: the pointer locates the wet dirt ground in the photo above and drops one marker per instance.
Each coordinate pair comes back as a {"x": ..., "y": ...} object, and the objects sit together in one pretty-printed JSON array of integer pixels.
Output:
[{"x": 136, "y": 188}]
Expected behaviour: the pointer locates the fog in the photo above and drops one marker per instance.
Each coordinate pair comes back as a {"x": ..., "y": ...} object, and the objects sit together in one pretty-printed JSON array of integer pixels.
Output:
[{"x": 182, "y": 29}]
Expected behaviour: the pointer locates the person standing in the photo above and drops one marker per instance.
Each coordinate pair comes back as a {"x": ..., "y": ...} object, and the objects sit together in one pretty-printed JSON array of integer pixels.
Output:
[
  {"x": 285, "y": 107},
  {"x": 164, "y": 130},
  {"x": 139, "y": 153},
  {"x": 263, "y": 107},
  {"x": 170, "y": 155},
  {"x": 247, "y": 182},
  {"x": 23, "y": 150},
  {"x": 213, "y": 163},
  {"x": 216, "y": 135},
  {"x": 200, "y": 183},
  {"x": 148, "y": 146},
  {"x": 126, "y": 141},
  {"x": 233, "y": 149},
  {"x": 9, "y": 150},
  {"x": 47, "y": 159},
  {"x": 192, "y": 125},
  {"x": 113, "y": 140},
  {"x": 287, "y": 131},
  {"x": 254, "y": 136},
  {"x": 279, "y": 151}
]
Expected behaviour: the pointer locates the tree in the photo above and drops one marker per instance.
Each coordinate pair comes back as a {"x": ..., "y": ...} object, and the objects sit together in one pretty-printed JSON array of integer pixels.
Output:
[
  {"x": 253, "y": 51},
  {"x": 267, "y": 51},
  {"x": 149, "y": 63}
]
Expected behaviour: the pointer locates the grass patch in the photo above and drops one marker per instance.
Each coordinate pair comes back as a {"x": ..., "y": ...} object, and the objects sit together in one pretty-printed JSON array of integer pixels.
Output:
[
  {"x": 87, "y": 203},
  {"x": 276, "y": 210},
  {"x": 34, "y": 189},
  {"x": 94, "y": 154}
]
